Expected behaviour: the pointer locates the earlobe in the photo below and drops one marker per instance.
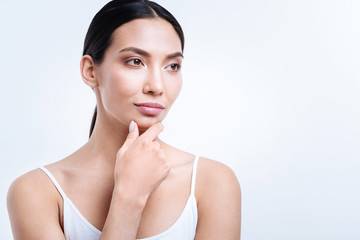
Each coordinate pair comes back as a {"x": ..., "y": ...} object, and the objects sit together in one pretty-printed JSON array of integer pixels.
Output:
[{"x": 87, "y": 68}]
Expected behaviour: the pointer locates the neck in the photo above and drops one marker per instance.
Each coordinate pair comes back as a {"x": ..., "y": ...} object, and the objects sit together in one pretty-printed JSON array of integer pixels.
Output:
[{"x": 106, "y": 139}]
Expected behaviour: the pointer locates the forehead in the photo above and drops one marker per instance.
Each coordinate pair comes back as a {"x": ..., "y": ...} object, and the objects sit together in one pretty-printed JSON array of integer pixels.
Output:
[{"x": 154, "y": 35}]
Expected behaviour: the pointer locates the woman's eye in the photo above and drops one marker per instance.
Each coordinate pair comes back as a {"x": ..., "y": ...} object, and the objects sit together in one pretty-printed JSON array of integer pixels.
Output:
[
  {"x": 174, "y": 67},
  {"x": 135, "y": 62}
]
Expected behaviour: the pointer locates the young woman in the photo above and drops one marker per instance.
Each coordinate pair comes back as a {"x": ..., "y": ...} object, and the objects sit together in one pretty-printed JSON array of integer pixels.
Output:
[{"x": 125, "y": 183}]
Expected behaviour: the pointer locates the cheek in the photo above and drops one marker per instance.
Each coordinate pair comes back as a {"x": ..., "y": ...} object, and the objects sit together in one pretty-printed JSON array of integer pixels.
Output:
[
  {"x": 118, "y": 86},
  {"x": 173, "y": 89}
]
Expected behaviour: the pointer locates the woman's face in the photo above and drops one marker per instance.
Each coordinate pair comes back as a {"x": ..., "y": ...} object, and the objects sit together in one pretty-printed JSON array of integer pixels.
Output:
[{"x": 139, "y": 77}]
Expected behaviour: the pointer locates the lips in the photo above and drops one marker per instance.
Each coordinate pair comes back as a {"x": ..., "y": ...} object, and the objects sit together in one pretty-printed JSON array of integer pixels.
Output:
[{"x": 150, "y": 108}]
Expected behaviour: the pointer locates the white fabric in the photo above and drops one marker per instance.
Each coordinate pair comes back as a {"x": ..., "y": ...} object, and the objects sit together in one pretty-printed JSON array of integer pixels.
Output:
[{"x": 76, "y": 227}]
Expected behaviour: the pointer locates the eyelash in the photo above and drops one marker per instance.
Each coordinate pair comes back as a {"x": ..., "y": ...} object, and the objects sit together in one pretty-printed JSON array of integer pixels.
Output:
[
  {"x": 133, "y": 64},
  {"x": 139, "y": 62},
  {"x": 178, "y": 67}
]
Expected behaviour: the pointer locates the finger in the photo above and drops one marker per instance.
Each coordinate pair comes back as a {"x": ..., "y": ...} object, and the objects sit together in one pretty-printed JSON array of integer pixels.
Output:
[
  {"x": 132, "y": 136},
  {"x": 152, "y": 132}
]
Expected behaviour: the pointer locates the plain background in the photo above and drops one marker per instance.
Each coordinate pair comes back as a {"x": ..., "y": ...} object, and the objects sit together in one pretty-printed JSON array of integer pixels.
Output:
[{"x": 271, "y": 88}]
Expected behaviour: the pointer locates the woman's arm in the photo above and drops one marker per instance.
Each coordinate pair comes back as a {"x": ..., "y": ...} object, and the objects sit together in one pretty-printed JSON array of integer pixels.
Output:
[
  {"x": 33, "y": 208},
  {"x": 123, "y": 218},
  {"x": 219, "y": 202},
  {"x": 140, "y": 168}
]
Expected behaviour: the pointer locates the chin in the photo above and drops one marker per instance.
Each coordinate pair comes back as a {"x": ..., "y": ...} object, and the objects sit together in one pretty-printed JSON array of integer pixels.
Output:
[{"x": 145, "y": 123}]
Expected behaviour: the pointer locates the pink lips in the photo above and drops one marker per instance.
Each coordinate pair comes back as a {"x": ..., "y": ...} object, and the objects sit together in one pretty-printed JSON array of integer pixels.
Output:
[{"x": 150, "y": 108}]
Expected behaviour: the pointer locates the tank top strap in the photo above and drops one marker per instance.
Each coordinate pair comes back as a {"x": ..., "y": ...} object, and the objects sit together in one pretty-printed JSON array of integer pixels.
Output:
[
  {"x": 193, "y": 177},
  {"x": 52, "y": 178}
]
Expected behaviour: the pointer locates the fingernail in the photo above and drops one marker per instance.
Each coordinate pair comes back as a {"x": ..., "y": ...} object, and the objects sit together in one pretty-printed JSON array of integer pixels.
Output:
[{"x": 132, "y": 126}]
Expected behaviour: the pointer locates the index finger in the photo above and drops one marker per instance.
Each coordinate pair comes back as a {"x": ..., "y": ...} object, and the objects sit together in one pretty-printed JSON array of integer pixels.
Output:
[{"x": 153, "y": 131}]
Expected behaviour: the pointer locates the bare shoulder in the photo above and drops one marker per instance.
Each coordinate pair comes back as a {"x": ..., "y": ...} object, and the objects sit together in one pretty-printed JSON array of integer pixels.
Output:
[
  {"x": 33, "y": 204},
  {"x": 33, "y": 183},
  {"x": 213, "y": 174},
  {"x": 219, "y": 201}
]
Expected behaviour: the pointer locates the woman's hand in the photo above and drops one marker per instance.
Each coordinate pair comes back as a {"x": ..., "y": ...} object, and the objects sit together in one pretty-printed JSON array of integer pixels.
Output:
[
  {"x": 139, "y": 169},
  {"x": 141, "y": 164}
]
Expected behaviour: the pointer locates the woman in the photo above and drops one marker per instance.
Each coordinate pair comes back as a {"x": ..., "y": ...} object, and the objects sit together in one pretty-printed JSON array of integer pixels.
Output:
[{"x": 125, "y": 183}]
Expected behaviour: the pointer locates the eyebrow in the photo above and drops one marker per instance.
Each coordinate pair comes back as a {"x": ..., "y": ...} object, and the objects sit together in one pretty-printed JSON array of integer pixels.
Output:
[{"x": 146, "y": 54}]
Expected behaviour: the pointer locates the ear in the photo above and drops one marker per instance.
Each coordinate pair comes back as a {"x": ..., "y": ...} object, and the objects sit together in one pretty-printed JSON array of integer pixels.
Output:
[{"x": 87, "y": 68}]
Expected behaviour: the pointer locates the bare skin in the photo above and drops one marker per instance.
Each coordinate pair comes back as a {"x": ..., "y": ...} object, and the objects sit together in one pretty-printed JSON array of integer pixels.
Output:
[{"x": 129, "y": 176}]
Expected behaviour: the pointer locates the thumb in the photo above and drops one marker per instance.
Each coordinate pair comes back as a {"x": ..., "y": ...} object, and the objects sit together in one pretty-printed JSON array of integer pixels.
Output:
[{"x": 132, "y": 136}]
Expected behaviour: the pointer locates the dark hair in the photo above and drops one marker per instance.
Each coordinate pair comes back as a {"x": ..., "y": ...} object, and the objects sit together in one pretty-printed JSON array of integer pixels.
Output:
[{"x": 113, "y": 15}]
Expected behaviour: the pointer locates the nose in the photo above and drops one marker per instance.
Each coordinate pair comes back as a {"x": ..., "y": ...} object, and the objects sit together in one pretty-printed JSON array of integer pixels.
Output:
[{"x": 154, "y": 83}]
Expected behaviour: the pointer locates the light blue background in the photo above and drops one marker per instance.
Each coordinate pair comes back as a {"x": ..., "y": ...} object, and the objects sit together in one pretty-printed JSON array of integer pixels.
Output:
[{"x": 271, "y": 88}]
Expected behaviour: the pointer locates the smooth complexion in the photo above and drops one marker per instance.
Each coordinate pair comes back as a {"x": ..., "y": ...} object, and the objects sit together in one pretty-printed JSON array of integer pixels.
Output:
[
  {"x": 138, "y": 185},
  {"x": 142, "y": 65}
]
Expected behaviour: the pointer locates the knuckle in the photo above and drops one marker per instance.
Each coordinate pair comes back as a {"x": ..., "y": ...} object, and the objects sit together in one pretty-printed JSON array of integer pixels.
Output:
[
  {"x": 155, "y": 149},
  {"x": 166, "y": 165},
  {"x": 161, "y": 126},
  {"x": 162, "y": 155},
  {"x": 145, "y": 143},
  {"x": 166, "y": 168}
]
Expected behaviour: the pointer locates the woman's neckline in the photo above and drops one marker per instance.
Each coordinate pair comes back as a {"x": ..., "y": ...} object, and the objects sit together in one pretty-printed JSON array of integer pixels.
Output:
[{"x": 161, "y": 234}]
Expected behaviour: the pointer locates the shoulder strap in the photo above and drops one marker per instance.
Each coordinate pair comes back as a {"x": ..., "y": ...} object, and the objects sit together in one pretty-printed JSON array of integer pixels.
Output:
[
  {"x": 193, "y": 177},
  {"x": 57, "y": 185}
]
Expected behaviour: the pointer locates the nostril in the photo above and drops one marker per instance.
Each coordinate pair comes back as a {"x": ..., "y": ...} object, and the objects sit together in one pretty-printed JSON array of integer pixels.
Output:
[{"x": 155, "y": 93}]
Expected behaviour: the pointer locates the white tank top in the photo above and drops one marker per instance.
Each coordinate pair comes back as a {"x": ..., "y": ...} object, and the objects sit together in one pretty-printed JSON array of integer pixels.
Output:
[{"x": 77, "y": 227}]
